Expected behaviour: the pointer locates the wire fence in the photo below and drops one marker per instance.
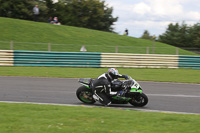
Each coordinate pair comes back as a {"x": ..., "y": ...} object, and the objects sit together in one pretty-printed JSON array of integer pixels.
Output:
[{"x": 35, "y": 46}]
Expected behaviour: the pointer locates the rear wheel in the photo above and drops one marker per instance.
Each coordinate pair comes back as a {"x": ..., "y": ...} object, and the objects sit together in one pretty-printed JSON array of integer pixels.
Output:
[
  {"x": 139, "y": 100},
  {"x": 85, "y": 95}
]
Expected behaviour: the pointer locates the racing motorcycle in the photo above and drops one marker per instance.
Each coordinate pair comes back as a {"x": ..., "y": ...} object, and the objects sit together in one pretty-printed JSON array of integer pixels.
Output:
[{"x": 131, "y": 90}]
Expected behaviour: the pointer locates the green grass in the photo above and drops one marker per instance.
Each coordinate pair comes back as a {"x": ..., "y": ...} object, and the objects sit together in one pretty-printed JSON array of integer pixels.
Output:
[
  {"x": 163, "y": 75},
  {"x": 95, "y": 41},
  {"x": 31, "y": 118}
]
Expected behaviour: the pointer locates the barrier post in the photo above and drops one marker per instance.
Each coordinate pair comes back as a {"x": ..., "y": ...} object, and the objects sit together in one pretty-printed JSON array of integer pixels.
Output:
[
  {"x": 153, "y": 48},
  {"x": 177, "y": 52},
  {"x": 147, "y": 51},
  {"x": 116, "y": 49},
  {"x": 49, "y": 46},
  {"x": 11, "y": 45}
]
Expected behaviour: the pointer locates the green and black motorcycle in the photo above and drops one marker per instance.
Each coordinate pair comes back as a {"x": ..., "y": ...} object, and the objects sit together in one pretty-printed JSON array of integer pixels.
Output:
[{"x": 132, "y": 92}]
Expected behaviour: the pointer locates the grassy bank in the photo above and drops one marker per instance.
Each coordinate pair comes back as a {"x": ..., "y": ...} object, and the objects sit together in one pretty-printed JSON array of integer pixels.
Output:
[
  {"x": 95, "y": 41},
  {"x": 162, "y": 75},
  {"x": 23, "y": 118}
]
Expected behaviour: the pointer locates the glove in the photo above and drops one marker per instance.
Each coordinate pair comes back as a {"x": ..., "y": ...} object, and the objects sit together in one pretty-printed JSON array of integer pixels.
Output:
[
  {"x": 126, "y": 77},
  {"x": 120, "y": 93}
]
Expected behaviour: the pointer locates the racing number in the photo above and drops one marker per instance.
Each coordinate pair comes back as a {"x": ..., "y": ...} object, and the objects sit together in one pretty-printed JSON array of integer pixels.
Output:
[{"x": 136, "y": 85}]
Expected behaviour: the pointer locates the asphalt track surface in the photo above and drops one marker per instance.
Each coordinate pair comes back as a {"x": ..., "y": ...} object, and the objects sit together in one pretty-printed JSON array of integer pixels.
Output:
[{"x": 163, "y": 96}]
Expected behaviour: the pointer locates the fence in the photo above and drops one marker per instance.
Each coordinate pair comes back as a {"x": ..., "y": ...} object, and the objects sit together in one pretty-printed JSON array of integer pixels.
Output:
[
  {"x": 192, "y": 62},
  {"x": 6, "y": 58},
  {"x": 31, "y": 46},
  {"x": 139, "y": 60},
  {"x": 82, "y": 59},
  {"x": 64, "y": 59}
]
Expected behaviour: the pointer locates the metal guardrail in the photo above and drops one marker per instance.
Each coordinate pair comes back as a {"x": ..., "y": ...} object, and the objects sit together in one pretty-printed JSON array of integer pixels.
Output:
[
  {"x": 191, "y": 62},
  {"x": 81, "y": 59},
  {"x": 139, "y": 60},
  {"x": 6, "y": 58},
  {"x": 64, "y": 59}
]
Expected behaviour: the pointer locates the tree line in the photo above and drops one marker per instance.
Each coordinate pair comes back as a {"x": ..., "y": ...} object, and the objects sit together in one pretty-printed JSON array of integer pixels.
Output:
[
  {"x": 180, "y": 35},
  {"x": 92, "y": 14}
]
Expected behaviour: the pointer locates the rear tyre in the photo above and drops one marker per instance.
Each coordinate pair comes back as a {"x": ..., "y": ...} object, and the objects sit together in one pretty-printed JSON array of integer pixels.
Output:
[
  {"x": 85, "y": 95},
  {"x": 139, "y": 100}
]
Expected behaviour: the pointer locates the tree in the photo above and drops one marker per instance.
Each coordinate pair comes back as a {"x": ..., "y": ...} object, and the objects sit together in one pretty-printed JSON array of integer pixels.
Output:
[
  {"x": 50, "y": 7},
  {"x": 22, "y": 9},
  {"x": 182, "y": 35},
  {"x": 93, "y": 14},
  {"x": 170, "y": 36},
  {"x": 146, "y": 35},
  {"x": 194, "y": 32},
  {"x": 177, "y": 35},
  {"x": 108, "y": 19}
]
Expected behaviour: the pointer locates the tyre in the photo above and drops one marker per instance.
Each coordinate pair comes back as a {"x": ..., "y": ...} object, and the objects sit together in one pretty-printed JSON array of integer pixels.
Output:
[
  {"x": 85, "y": 95},
  {"x": 139, "y": 100}
]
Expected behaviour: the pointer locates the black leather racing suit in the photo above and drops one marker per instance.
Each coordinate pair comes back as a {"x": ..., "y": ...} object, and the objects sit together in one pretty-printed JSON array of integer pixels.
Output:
[{"x": 101, "y": 88}]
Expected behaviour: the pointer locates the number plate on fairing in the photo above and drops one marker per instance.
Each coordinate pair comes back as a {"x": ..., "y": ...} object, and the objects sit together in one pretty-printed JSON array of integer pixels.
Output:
[{"x": 135, "y": 85}]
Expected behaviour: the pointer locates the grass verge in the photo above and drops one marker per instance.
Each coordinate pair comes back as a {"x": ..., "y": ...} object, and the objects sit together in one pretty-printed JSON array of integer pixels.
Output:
[
  {"x": 31, "y": 118},
  {"x": 94, "y": 40},
  {"x": 161, "y": 75}
]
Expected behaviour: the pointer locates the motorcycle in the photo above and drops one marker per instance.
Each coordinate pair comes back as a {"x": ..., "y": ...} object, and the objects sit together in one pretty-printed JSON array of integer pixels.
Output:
[{"x": 131, "y": 90}]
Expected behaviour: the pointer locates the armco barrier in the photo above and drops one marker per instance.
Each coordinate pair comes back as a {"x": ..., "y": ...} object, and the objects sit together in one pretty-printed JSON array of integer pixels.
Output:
[
  {"x": 192, "y": 62},
  {"x": 65, "y": 59},
  {"x": 6, "y": 58},
  {"x": 139, "y": 60},
  {"x": 79, "y": 59}
]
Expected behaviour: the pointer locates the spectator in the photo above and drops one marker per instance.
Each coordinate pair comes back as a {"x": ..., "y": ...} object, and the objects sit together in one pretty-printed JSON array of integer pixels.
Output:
[
  {"x": 55, "y": 19},
  {"x": 126, "y": 32},
  {"x": 50, "y": 20},
  {"x": 36, "y": 13}
]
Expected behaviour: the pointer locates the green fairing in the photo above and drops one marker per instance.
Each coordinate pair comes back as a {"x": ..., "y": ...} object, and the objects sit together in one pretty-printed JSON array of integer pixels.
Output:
[
  {"x": 87, "y": 86},
  {"x": 124, "y": 98},
  {"x": 135, "y": 90}
]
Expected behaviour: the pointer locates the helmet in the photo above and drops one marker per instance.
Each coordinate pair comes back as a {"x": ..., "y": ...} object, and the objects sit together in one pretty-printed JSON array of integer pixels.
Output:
[{"x": 112, "y": 72}]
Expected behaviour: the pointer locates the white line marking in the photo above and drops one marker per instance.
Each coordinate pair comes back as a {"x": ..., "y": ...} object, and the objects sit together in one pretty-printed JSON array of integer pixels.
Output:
[
  {"x": 143, "y": 110},
  {"x": 170, "y": 82},
  {"x": 170, "y": 95}
]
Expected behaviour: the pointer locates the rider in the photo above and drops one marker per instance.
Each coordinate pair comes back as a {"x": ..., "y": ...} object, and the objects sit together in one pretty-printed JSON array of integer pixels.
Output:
[{"x": 101, "y": 86}]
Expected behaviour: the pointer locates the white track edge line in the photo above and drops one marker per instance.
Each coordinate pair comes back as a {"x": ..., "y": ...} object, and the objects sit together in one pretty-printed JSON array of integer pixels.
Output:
[
  {"x": 171, "y": 95},
  {"x": 143, "y": 110}
]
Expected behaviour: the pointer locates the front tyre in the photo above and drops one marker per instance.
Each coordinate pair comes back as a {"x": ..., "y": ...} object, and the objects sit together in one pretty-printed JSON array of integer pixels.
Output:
[
  {"x": 85, "y": 95},
  {"x": 139, "y": 100}
]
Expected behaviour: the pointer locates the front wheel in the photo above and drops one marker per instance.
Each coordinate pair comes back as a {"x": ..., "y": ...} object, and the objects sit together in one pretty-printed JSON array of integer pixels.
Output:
[
  {"x": 139, "y": 100},
  {"x": 85, "y": 95}
]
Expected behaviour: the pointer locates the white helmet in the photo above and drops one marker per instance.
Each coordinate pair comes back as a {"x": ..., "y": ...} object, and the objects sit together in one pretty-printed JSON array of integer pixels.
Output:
[{"x": 113, "y": 72}]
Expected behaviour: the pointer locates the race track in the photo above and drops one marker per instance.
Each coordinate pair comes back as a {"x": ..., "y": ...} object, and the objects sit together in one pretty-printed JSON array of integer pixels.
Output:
[{"x": 163, "y": 97}]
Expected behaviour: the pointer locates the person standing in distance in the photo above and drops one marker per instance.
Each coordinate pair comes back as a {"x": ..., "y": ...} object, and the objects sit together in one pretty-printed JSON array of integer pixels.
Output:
[
  {"x": 36, "y": 13},
  {"x": 126, "y": 32}
]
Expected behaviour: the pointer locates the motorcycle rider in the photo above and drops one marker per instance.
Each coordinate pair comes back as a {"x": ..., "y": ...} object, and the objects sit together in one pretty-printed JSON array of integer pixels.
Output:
[{"x": 101, "y": 86}]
